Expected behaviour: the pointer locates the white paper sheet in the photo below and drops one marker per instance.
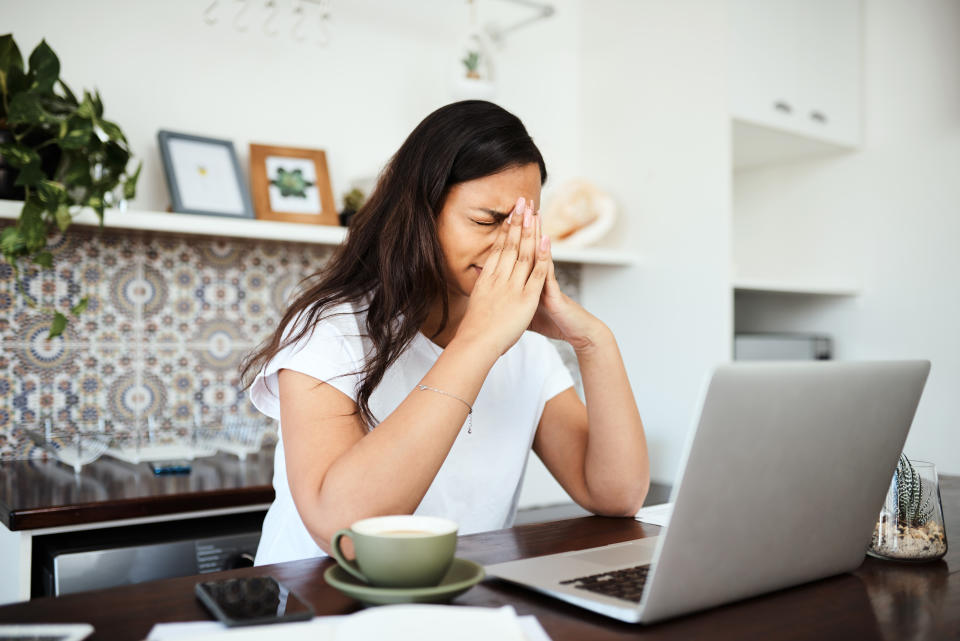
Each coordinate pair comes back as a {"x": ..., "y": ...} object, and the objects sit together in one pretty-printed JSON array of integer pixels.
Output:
[
  {"x": 421, "y": 622},
  {"x": 655, "y": 514}
]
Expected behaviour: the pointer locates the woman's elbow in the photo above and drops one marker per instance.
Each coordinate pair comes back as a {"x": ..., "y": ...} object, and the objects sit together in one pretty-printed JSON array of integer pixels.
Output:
[{"x": 625, "y": 503}]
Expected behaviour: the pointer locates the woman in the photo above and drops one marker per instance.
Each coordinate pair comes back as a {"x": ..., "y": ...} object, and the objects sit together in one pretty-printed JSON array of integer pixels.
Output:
[{"x": 403, "y": 378}]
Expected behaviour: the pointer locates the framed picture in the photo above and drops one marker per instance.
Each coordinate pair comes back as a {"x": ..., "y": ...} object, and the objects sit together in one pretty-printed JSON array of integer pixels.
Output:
[
  {"x": 203, "y": 176},
  {"x": 291, "y": 185}
]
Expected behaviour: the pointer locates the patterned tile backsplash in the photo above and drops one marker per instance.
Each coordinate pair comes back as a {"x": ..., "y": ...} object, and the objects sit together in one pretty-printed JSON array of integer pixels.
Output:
[{"x": 169, "y": 320}]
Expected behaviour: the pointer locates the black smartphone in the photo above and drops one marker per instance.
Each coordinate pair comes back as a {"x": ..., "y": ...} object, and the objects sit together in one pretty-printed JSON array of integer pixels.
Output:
[{"x": 252, "y": 601}]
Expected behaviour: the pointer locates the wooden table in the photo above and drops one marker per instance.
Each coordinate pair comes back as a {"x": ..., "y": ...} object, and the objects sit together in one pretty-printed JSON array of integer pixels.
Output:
[{"x": 880, "y": 600}]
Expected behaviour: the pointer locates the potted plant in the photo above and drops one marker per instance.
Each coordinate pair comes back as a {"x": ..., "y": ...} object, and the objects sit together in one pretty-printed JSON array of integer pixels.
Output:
[
  {"x": 64, "y": 155},
  {"x": 472, "y": 62},
  {"x": 352, "y": 202},
  {"x": 911, "y": 526}
]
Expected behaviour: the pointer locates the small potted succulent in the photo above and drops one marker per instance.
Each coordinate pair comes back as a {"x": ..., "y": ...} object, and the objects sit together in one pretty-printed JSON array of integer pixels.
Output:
[
  {"x": 472, "y": 63},
  {"x": 59, "y": 155},
  {"x": 911, "y": 527},
  {"x": 352, "y": 202}
]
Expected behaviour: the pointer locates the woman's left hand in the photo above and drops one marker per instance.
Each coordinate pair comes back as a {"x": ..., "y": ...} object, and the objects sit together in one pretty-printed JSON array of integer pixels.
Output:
[{"x": 560, "y": 317}]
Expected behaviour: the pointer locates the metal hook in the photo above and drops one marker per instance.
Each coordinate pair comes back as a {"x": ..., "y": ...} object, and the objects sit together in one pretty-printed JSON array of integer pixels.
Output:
[
  {"x": 544, "y": 10},
  {"x": 301, "y": 16},
  {"x": 208, "y": 16},
  {"x": 240, "y": 14},
  {"x": 271, "y": 6},
  {"x": 325, "y": 15}
]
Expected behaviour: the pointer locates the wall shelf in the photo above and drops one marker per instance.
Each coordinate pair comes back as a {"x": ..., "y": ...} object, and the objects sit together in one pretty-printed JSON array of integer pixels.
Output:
[
  {"x": 220, "y": 226},
  {"x": 831, "y": 287}
]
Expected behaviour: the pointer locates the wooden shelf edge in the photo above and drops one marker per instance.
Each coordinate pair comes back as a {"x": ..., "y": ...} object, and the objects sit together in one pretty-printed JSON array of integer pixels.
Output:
[
  {"x": 226, "y": 227},
  {"x": 837, "y": 288}
]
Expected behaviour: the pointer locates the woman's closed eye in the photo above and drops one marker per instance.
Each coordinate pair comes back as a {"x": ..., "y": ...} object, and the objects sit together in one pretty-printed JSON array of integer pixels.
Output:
[{"x": 489, "y": 217}]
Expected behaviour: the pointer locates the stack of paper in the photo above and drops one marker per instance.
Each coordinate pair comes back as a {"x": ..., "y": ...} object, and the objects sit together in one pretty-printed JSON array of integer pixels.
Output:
[
  {"x": 656, "y": 514},
  {"x": 396, "y": 622}
]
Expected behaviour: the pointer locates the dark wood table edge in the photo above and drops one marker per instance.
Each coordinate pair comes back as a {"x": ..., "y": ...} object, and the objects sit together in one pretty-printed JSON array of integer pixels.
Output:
[{"x": 133, "y": 508}]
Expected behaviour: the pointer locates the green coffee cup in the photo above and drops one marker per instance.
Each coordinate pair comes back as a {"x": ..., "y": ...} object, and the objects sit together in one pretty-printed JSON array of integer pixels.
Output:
[{"x": 402, "y": 551}]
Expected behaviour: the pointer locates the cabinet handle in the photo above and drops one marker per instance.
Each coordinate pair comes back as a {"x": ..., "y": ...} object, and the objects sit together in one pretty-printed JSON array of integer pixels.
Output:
[
  {"x": 819, "y": 116},
  {"x": 780, "y": 105}
]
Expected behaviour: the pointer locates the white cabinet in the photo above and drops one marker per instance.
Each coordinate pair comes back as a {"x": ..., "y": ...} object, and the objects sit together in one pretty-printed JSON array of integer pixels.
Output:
[{"x": 794, "y": 78}]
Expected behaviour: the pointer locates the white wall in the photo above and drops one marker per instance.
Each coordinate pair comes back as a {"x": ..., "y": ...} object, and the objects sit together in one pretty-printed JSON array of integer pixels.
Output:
[
  {"x": 158, "y": 65},
  {"x": 887, "y": 215},
  {"x": 655, "y": 133}
]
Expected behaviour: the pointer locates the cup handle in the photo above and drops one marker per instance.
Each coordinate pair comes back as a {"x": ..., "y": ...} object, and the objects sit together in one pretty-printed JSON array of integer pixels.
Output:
[{"x": 349, "y": 566}]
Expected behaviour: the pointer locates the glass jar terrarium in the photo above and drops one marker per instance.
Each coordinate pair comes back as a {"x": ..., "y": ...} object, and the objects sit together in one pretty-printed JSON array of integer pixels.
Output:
[{"x": 911, "y": 527}]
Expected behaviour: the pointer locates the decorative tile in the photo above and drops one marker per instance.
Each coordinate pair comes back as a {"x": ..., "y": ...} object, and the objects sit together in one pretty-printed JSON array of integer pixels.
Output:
[{"x": 168, "y": 322}]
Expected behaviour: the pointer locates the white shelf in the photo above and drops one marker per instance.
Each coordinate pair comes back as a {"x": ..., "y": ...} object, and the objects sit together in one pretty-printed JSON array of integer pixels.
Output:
[
  {"x": 813, "y": 288},
  {"x": 221, "y": 226},
  {"x": 195, "y": 224}
]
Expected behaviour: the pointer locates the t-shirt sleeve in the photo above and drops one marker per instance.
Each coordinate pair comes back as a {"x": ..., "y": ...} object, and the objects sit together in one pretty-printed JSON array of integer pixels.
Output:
[
  {"x": 557, "y": 378},
  {"x": 324, "y": 354}
]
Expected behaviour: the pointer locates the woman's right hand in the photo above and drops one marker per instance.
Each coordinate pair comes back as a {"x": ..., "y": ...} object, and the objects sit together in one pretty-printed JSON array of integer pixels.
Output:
[{"x": 507, "y": 292}]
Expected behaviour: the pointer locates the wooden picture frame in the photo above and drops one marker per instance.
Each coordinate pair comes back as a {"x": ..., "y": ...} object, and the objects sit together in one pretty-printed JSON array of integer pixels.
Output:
[
  {"x": 203, "y": 176},
  {"x": 290, "y": 184}
]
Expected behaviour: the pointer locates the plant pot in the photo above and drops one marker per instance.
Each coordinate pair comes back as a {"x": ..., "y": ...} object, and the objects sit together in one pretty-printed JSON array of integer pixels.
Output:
[
  {"x": 906, "y": 530},
  {"x": 345, "y": 217}
]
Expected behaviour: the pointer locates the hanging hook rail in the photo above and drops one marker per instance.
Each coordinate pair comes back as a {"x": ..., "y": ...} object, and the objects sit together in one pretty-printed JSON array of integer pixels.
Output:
[{"x": 544, "y": 11}]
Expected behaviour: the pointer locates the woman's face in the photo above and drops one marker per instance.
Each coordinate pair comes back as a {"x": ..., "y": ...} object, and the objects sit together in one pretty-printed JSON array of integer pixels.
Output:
[{"x": 471, "y": 217}]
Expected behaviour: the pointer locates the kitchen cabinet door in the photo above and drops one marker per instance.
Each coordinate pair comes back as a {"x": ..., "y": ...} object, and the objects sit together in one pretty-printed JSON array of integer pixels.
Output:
[{"x": 795, "y": 67}]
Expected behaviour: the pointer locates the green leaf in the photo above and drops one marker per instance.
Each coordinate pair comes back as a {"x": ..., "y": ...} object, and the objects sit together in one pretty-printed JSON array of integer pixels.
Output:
[
  {"x": 86, "y": 110},
  {"x": 77, "y": 172},
  {"x": 18, "y": 155},
  {"x": 63, "y": 217},
  {"x": 51, "y": 193},
  {"x": 117, "y": 155},
  {"x": 44, "y": 68},
  {"x": 32, "y": 227},
  {"x": 130, "y": 184},
  {"x": 76, "y": 139},
  {"x": 58, "y": 325},
  {"x": 10, "y": 57},
  {"x": 112, "y": 130},
  {"x": 71, "y": 98},
  {"x": 25, "y": 109},
  {"x": 44, "y": 259},
  {"x": 30, "y": 175},
  {"x": 11, "y": 241},
  {"x": 79, "y": 308},
  {"x": 97, "y": 104}
]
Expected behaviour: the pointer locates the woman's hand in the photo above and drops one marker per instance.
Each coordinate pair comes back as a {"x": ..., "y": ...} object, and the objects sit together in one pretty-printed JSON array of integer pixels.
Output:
[
  {"x": 559, "y": 316},
  {"x": 507, "y": 292}
]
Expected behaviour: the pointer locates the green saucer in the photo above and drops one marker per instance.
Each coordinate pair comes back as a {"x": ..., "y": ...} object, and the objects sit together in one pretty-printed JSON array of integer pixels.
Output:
[{"x": 461, "y": 576}]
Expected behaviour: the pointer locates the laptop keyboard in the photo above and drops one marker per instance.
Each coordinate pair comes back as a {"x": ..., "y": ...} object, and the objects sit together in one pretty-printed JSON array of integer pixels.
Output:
[{"x": 626, "y": 584}]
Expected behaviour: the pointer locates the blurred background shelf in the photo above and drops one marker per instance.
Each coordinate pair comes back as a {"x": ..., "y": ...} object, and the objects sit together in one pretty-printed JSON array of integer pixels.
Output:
[
  {"x": 221, "y": 226},
  {"x": 831, "y": 287}
]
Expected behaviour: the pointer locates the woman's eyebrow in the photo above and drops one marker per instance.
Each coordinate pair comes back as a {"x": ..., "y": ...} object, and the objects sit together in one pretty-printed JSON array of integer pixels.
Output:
[{"x": 493, "y": 212}]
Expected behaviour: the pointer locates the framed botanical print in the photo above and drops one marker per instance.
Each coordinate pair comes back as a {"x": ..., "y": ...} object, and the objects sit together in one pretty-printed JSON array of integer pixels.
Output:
[
  {"x": 203, "y": 176},
  {"x": 291, "y": 185}
]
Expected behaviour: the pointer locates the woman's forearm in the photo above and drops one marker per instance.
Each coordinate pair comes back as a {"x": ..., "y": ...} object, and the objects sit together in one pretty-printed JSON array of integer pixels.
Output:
[
  {"x": 616, "y": 464},
  {"x": 390, "y": 470}
]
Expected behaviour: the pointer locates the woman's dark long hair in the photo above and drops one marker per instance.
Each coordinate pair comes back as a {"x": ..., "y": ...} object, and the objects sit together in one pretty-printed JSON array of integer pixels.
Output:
[{"x": 392, "y": 256}]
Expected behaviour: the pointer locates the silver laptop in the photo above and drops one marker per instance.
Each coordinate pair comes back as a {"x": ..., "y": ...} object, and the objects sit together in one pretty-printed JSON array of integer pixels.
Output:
[{"x": 783, "y": 481}]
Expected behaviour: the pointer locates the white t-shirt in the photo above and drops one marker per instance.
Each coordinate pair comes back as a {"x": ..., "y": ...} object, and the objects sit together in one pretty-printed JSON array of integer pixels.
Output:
[{"x": 479, "y": 482}]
